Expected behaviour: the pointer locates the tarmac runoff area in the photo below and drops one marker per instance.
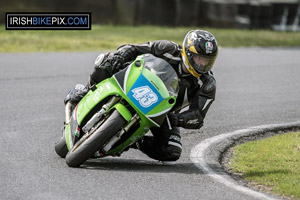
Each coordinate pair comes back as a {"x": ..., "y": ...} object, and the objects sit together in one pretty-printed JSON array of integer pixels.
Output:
[{"x": 208, "y": 155}]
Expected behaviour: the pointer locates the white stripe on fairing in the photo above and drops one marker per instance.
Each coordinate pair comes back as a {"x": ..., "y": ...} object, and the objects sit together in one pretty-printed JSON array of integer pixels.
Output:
[
  {"x": 198, "y": 157},
  {"x": 160, "y": 113},
  {"x": 206, "y": 103},
  {"x": 175, "y": 144},
  {"x": 152, "y": 121}
]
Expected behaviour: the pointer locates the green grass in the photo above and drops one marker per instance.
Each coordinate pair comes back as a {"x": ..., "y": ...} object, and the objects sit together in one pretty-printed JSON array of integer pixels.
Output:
[
  {"x": 272, "y": 162},
  {"x": 108, "y": 37}
]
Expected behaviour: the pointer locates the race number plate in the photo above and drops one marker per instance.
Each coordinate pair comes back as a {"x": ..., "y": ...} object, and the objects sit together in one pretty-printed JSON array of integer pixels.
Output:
[{"x": 144, "y": 95}]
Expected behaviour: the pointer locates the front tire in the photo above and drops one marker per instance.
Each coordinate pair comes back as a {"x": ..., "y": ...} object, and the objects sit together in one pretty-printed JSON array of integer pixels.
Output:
[
  {"x": 61, "y": 147},
  {"x": 96, "y": 141}
]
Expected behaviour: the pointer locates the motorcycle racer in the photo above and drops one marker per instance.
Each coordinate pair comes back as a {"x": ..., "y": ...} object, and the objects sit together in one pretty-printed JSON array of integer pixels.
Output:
[{"x": 192, "y": 62}]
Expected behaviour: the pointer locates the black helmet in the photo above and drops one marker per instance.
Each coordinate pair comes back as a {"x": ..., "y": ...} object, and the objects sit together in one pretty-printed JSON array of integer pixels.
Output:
[{"x": 199, "y": 52}]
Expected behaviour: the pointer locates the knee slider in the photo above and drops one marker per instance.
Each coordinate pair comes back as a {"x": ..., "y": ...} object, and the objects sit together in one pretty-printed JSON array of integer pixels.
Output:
[{"x": 72, "y": 95}]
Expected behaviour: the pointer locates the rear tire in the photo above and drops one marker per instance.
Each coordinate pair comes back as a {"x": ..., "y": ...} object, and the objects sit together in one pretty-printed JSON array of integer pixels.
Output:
[
  {"x": 61, "y": 147},
  {"x": 96, "y": 141}
]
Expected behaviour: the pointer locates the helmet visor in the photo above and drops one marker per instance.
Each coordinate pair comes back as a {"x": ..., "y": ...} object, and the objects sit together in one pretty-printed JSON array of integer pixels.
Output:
[{"x": 203, "y": 64}]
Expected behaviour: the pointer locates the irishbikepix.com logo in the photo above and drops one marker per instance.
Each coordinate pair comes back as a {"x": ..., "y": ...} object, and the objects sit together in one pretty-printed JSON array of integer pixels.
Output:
[{"x": 48, "y": 21}]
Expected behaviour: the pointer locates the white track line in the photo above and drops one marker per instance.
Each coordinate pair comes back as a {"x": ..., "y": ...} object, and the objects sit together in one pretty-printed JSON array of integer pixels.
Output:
[{"x": 198, "y": 157}]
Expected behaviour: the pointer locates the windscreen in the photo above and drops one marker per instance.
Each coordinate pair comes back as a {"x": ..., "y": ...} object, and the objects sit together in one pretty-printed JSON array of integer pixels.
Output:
[{"x": 164, "y": 71}]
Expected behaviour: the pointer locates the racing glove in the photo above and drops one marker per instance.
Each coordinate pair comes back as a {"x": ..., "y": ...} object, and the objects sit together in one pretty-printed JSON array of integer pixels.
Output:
[
  {"x": 124, "y": 54},
  {"x": 175, "y": 120},
  {"x": 117, "y": 61},
  {"x": 188, "y": 119}
]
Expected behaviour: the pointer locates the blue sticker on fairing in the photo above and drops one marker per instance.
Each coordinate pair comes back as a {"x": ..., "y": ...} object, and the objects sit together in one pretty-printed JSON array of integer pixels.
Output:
[{"x": 144, "y": 95}]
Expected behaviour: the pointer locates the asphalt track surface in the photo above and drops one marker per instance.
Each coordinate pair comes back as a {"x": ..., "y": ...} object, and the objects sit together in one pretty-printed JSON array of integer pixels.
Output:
[{"x": 255, "y": 86}]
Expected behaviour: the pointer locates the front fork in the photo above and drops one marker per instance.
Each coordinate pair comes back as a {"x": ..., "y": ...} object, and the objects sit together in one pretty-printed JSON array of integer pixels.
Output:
[
  {"x": 97, "y": 117},
  {"x": 118, "y": 136},
  {"x": 68, "y": 112}
]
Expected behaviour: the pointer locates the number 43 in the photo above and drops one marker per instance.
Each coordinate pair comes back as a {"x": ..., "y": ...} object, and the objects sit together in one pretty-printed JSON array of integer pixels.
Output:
[{"x": 145, "y": 96}]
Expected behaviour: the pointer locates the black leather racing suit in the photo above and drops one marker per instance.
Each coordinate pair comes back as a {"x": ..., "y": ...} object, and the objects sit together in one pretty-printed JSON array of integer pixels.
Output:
[{"x": 198, "y": 94}]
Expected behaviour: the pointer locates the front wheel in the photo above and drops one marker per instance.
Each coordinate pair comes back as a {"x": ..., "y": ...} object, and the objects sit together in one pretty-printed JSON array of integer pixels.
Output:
[
  {"x": 93, "y": 143},
  {"x": 61, "y": 147}
]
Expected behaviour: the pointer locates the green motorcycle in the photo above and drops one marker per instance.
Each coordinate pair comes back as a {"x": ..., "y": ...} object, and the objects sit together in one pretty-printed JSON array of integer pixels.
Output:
[{"x": 119, "y": 111}]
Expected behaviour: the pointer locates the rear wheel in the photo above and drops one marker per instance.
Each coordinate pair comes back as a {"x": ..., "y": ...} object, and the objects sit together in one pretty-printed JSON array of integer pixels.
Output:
[{"x": 89, "y": 145}]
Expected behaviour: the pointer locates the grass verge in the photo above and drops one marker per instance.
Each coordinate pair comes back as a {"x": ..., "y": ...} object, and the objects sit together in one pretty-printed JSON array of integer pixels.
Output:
[
  {"x": 272, "y": 163},
  {"x": 108, "y": 37}
]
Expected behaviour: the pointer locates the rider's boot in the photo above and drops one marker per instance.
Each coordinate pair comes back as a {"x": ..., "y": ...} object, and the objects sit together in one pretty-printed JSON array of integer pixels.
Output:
[{"x": 167, "y": 152}]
